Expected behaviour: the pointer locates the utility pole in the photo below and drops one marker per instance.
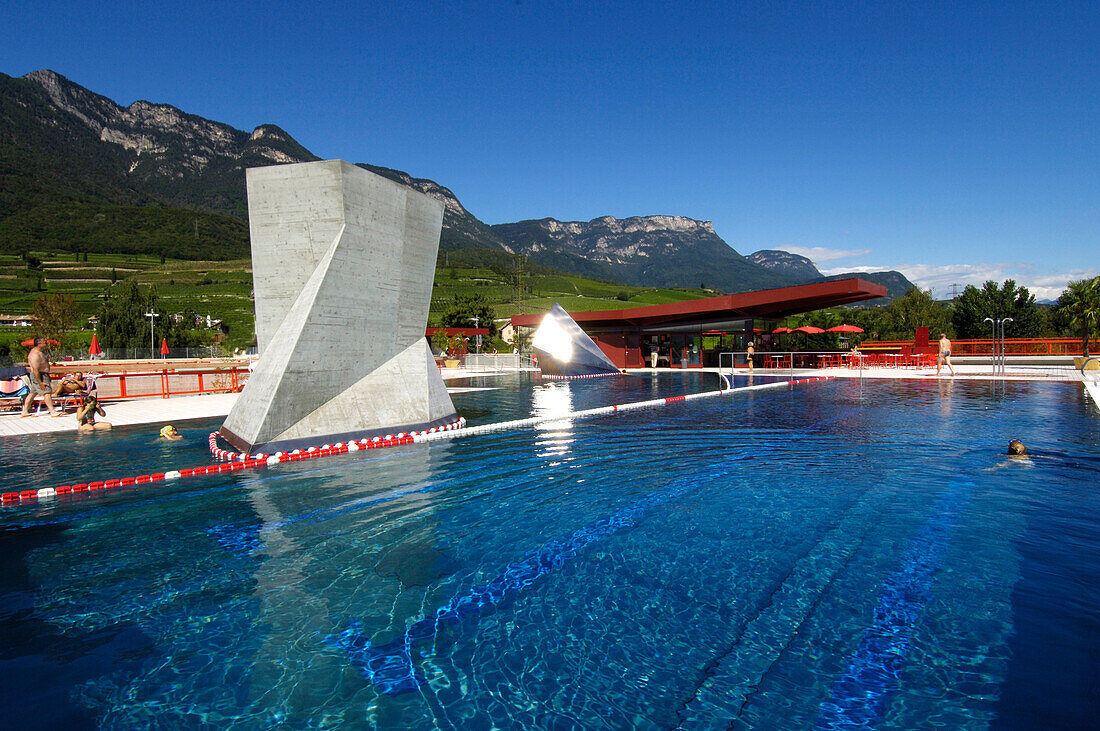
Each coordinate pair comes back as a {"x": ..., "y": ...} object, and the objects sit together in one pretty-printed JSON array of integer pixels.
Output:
[{"x": 152, "y": 346}]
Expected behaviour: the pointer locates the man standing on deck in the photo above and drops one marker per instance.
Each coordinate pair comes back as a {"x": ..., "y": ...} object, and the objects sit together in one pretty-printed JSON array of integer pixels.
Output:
[
  {"x": 38, "y": 379},
  {"x": 945, "y": 355}
]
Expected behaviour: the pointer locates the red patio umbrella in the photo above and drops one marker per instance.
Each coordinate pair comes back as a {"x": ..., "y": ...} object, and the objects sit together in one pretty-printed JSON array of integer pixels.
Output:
[
  {"x": 94, "y": 349},
  {"x": 845, "y": 329},
  {"x": 808, "y": 329},
  {"x": 164, "y": 346},
  {"x": 29, "y": 343},
  {"x": 781, "y": 329}
]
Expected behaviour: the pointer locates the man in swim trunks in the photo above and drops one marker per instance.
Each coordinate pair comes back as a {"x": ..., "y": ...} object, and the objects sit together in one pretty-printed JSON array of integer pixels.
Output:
[
  {"x": 37, "y": 379},
  {"x": 945, "y": 355},
  {"x": 750, "y": 351}
]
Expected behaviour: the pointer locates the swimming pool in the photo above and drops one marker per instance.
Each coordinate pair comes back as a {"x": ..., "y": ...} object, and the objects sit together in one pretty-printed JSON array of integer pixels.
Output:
[{"x": 819, "y": 556}]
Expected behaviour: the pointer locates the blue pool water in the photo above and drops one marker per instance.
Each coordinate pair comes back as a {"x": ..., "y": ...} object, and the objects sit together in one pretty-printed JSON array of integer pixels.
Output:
[{"x": 830, "y": 555}]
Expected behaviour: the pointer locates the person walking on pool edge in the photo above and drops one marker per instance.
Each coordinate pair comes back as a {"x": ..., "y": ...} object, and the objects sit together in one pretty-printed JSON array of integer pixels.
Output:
[
  {"x": 749, "y": 353},
  {"x": 945, "y": 355},
  {"x": 38, "y": 379}
]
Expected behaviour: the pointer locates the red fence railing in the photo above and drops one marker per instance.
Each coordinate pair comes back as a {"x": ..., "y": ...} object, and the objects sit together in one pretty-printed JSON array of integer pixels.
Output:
[
  {"x": 1013, "y": 346},
  {"x": 168, "y": 382}
]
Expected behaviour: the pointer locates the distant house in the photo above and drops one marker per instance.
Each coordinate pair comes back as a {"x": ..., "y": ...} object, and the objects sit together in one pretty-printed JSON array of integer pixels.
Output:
[{"x": 15, "y": 321}]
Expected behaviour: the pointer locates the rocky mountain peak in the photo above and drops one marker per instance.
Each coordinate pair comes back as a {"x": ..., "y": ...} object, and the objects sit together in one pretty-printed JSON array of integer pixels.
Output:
[
  {"x": 634, "y": 224},
  {"x": 783, "y": 262}
]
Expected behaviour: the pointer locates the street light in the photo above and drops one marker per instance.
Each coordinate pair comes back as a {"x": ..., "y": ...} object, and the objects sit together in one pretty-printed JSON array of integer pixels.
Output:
[
  {"x": 1001, "y": 360},
  {"x": 994, "y": 324},
  {"x": 152, "y": 347},
  {"x": 475, "y": 320}
]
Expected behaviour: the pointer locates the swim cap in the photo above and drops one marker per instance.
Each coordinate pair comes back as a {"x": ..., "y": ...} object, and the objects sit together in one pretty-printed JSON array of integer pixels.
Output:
[{"x": 165, "y": 431}]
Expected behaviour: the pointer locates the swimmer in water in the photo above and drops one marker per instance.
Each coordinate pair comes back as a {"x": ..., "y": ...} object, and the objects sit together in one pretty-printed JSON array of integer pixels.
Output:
[{"x": 169, "y": 432}]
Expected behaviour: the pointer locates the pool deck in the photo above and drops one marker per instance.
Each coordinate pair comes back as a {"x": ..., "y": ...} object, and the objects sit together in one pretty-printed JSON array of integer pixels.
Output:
[{"x": 183, "y": 408}]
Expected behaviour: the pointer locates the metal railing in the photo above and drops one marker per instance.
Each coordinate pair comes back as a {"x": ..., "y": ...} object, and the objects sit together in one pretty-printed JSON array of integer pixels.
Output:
[
  {"x": 731, "y": 363},
  {"x": 498, "y": 362},
  {"x": 81, "y": 354},
  {"x": 788, "y": 361},
  {"x": 167, "y": 382},
  {"x": 985, "y": 346}
]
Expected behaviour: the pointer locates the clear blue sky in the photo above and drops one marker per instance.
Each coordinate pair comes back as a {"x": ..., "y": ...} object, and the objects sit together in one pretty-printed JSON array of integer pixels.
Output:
[{"x": 954, "y": 141}]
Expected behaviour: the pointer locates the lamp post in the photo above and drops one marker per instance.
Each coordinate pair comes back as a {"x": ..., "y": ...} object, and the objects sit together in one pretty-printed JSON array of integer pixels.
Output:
[
  {"x": 999, "y": 356},
  {"x": 152, "y": 347},
  {"x": 994, "y": 324}
]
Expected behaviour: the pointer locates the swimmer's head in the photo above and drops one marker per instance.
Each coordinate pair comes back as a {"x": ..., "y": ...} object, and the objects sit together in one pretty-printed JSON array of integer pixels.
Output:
[
  {"x": 1016, "y": 447},
  {"x": 168, "y": 431}
]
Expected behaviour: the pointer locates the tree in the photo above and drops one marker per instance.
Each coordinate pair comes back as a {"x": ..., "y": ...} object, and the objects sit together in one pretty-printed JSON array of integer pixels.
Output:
[
  {"x": 913, "y": 310},
  {"x": 521, "y": 338},
  {"x": 1079, "y": 307},
  {"x": 518, "y": 277},
  {"x": 122, "y": 320},
  {"x": 440, "y": 341},
  {"x": 54, "y": 315},
  {"x": 1009, "y": 300},
  {"x": 464, "y": 308}
]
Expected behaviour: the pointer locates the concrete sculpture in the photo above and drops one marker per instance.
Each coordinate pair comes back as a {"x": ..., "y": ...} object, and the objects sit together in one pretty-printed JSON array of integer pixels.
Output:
[
  {"x": 564, "y": 349},
  {"x": 343, "y": 262}
]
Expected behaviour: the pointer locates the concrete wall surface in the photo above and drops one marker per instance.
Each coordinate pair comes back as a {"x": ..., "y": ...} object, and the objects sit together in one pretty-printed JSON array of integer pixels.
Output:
[{"x": 343, "y": 263}]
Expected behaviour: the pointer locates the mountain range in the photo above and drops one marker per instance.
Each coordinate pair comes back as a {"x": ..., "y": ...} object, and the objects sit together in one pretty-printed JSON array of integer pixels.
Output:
[{"x": 80, "y": 172}]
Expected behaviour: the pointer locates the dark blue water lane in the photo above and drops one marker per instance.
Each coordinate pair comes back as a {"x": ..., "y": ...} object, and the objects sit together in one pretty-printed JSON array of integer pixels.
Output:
[
  {"x": 391, "y": 665},
  {"x": 859, "y": 696}
]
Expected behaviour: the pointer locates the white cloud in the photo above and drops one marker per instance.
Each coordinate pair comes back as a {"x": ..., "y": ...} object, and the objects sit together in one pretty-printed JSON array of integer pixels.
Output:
[
  {"x": 941, "y": 278},
  {"x": 818, "y": 254}
]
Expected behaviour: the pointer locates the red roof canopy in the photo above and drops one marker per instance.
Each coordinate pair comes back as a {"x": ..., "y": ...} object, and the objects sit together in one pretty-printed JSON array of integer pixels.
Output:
[{"x": 763, "y": 303}]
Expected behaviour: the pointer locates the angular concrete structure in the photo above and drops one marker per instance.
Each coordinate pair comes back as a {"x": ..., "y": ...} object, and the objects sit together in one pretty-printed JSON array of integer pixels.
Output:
[
  {"x": 565, "y": 350},
  {"x": 343, "y": 262}
]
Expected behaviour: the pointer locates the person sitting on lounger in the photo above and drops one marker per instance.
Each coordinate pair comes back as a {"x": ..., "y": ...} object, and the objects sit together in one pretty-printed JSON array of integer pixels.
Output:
[{"x": 70, "y": 385}]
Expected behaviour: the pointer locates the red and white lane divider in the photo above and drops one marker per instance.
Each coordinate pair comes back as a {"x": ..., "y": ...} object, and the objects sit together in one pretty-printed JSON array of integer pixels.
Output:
[
  {"x": 239, "y": 461},
  {"x": 354, "y": 445},
  {"x": 555, "y": 377}
]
